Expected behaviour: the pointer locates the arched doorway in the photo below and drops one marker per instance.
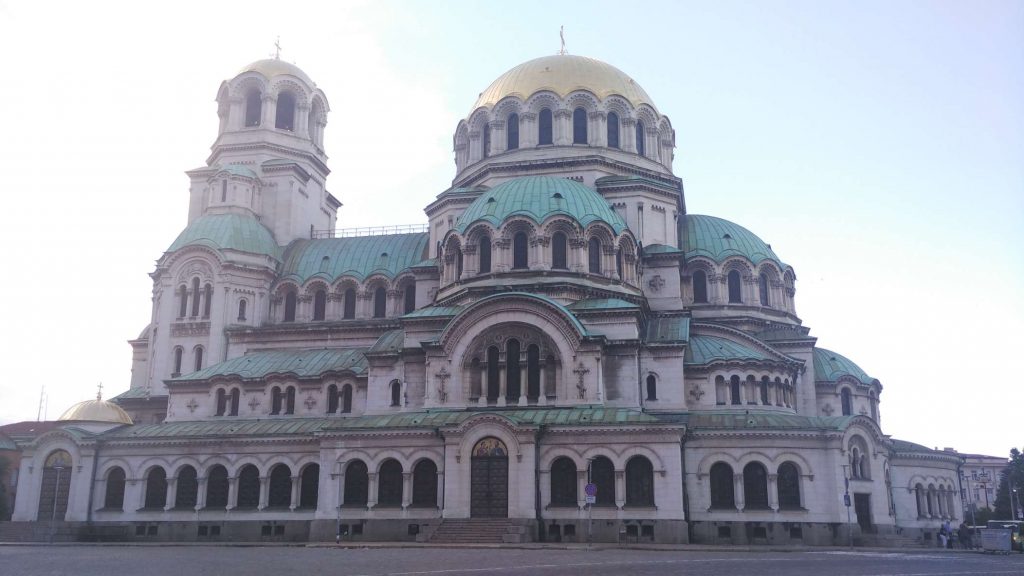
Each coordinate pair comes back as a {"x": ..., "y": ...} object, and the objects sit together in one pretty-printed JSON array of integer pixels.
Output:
[
  {"x": 489, "y": 479},
  {"x": 56, "y": 485}
]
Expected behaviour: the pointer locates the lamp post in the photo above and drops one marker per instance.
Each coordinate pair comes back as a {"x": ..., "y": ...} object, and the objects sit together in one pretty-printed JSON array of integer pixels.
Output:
[
  {"x": 1015, "y": 504},
  {"x": 590, "y": 507},
  {"x": 846, "y": 501}
]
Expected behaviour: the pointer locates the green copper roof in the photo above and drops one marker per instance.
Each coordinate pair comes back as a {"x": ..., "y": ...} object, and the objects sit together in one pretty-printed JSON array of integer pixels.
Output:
[
  {"x": 601, "y": 304},
  {"x": 904, "y": 446},
  {"x": 765, "y": 420},
  {"x": 538, "y": 416},
  {"x": 237, "y": 170},
  {"x": 298, "y": 363},
  {"x": 389, "y": 343},
  {"x": 359, "y": 257},
  {"x": 538, "y": 198},
  {"x": 707, "y": 349},
  {"x": 228, "y": 232},
  {"x": 434, "y": 312},
  {"x": 829, "y": 367},
  {"x": 719, "y": 239},
  {"x": 655, "y": 249},
  {"x": 7, "y": 444},
  {"x": 662, "y": 329},
  {"x": 221, "y": 428}
]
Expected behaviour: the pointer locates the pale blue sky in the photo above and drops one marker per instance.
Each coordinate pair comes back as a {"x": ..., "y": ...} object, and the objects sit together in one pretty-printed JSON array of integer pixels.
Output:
[{"x": 876, "y": 145}]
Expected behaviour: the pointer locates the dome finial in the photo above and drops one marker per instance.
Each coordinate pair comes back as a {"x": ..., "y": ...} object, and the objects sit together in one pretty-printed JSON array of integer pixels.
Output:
[
  {"x": 277, "y": 48},
  {"x": 99, "y": 391},
  {"x": 561, "y": 34}
]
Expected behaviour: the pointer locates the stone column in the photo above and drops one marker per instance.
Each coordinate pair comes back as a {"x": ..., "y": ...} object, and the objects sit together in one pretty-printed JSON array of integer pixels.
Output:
[
  {"x": 562, "y": 127},
  {"x": 406, "y": 489},
  {"x": 499, "y": 139},
  {"x": 201, "y": 493},
  {"x": 737, "y": 487},
  {"x": 232, "y": 492},
  {"x": 440, "y": 488},
  {"x": 627, "y": 136},
  {"x": 268, "y": 111},
  {"x": 527, "y": 130},
  {"x": 172, "y": 493},
  {"x": 773, "y": 491},
  {"x": 620, "y": 488},
  {"x": 581, "y": 487},
  {"x": 475, "y": 146},
  {"x": 541, "y": 385},
  {"x": 264, "y": 492},
  {"x": 302, "y": 120},
  {"x": 371, "y": 496},
  {"x": 482, "y": 400},
  {"x": 294, "y": 501},
  {"x": 598, "y": 129},
  {"x": 502, "y": 383}
]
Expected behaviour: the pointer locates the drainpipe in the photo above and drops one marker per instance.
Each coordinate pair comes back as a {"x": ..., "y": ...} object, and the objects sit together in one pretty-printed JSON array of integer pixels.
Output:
[
  {"x": 541, "y": 529},
  {"x": 686, "y": 493},
  {"x": 92, "y": 481}
]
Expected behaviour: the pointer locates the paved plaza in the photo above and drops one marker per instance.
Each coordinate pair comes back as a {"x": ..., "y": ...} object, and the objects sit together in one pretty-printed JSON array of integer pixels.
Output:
[{"x": 176, "y": 560}]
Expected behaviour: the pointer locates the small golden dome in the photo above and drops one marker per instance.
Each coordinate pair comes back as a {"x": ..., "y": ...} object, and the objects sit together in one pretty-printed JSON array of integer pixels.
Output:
[
  {"x": 97, "y": 411},
  {"x": 271, "y": 67},
  {"x": 563, "y": 74}
]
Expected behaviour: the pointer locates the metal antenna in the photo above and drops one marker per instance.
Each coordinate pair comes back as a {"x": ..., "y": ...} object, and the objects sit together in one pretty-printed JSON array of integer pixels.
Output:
[{"x": 39, "y": 412}]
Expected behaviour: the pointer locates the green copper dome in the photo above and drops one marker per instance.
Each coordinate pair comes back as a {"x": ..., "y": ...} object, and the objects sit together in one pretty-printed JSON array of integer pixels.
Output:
[
  {"x": 228, "y": 232},
  {"x": 829, "y": 367},
  {"x": 538, "y": 198},
  {"x": 719, "y": 239}
]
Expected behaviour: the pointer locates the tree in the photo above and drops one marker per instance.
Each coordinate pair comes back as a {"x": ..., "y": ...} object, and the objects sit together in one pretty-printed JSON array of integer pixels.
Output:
[
  {"x": 982, "y": 516},
  {"x": 1011, "y": 477}
]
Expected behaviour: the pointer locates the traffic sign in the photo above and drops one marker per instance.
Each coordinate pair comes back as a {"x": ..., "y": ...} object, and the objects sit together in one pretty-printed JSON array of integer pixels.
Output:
[
  {"x": 590, "y": 490},
  {"x": 591, "y": 499},
  {"x": 846, "y": 500}
]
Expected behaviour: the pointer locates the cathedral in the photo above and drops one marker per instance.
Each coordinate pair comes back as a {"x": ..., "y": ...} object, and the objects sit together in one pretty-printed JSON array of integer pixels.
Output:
[{"x": 562, "y": 353}]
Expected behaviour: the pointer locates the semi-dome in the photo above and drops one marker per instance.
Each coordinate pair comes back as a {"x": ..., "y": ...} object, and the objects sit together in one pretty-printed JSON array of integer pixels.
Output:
[
  {"x": 720, "y": 239},
  {"x": 271, "y": 67},
  {"x": 563, "y": 74},
  {"x": 538, "y": 198},
  {"x": 830, "y": 366},
  {"x": 228, "y": 232},
  {"x": 97, "y": 410}
]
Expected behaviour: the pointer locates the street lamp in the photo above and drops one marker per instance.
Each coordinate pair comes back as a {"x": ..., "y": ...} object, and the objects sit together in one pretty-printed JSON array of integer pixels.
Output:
[{"x": 846, "y": 501}]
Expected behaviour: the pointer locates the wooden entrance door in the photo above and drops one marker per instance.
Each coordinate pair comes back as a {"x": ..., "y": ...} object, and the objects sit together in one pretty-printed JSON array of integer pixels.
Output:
[
  {"x": 489, "y": 480},
  {"x": 862, "y": 506},
  {"x": 55, "y": 487}
]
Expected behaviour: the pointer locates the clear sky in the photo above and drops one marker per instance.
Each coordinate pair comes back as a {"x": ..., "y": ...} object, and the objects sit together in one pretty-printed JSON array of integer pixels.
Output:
[{"x": 877, "y": 146}]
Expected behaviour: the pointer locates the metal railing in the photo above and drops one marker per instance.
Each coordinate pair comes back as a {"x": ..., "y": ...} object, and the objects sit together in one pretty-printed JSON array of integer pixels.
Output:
[{"x": 372, "y": 231}]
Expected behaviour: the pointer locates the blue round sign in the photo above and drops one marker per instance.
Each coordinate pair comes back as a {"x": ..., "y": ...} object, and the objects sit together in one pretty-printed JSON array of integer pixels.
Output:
[{"x": 591, "y": 490}]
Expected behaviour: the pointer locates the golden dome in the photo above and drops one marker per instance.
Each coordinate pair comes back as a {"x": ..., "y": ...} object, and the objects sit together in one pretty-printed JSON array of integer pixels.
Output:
[
  {"x": 97, "y": 411},
  {"x": 563, "y": 74},
  {"x": 271, "y": 67}
]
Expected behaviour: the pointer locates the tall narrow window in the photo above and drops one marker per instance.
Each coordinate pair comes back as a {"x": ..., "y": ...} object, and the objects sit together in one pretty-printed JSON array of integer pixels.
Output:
[
  {"x": 289, "y": 306},
  {"x": 285, "y": 111},
  {"x": 594, "y": 256},
  {"x": 493, "y": 371},
  {"x": 320, "y": 305},
  {"x": 723, "y": 493},
  {"x": 280, "y": 489},
  {"x": 564, "y": 488},
  {"x": 424, "y": 484},
  {"x": 217, "y": 487},
  {"x": 187, "y": 489},
  {"x": 182, "y": 301},
  {"x": 309, "y": 487},
  {"x": 618, "y": 263},
  {"x": 207, "y": 300},
  {"x": 519, "y": 251},
  {"x": 357, "y": 484},
  {"x": 156, "y": 488},
  {"x": 195, "y": 297},
  {"x": 458, "y": 264},
  {"x": 389, "y": 490},
  {"x": 114, "y": 498},
  {"x": 789, "y": 486},
  {"x": 602, "y": 474},
  {"x": 223, "y": 190},
  {"x": 532, "y": 373},
  {"x": 763, "y": 388},
  {"x": 735, "y": 296},
  {"x": 613, "y": 130},
  {"x": 736, "y": 391},
  {"x": 410, "y": 297},
  {"x": 763, "y": 285},
  {"x": 544, "y": 125},
  {"x": 652, "y": 387},
  {"x": 396, "y": 393},
  {"x": 559, "y": 261},
  {"x": 235, "y": 397},
  {"x": 248, "y": 487},
  {"x": 199, "y": 358},
  {"x": 332, "y": 399},
  {"x": 847, "y": 402},
  {"x": 350, "y": 304},
  {"x": 380, "y": 302},
  {"x": 289, "y": 400},
  {"x": 253, "y": 108},
  {"x": 275, "y": 400},
  {"x": 346, "y": 399},
  {"x": 639, "y": 482},
  {"x": 641, "y": 144},
  {"x": 485, "y": 254},
  {"x": 512, "y": 132},
  {"x": 242, "y": 304},
  {"x": 513, "y": 378},
  {"x": 755, "y": 486},
  {"x": 177, "y": 361},
  {"x": 579, "y": 126},
  {"x": 487, "y": 141},
  {"x": 222, "y": 402},
  {"x": 700, "y": 287}
]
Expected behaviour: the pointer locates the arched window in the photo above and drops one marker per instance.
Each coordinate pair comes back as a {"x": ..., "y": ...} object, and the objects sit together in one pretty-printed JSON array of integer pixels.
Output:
[
  {"x": 195, "y": 297},
  {"x": 248, "y": 487},
  {"x": 755, "y": 486},
  {"x": 285, "y": 111},
  {"x": 289, "y": 306},
  {"x": 275, "y": 400},
  {"x": 520, "y": 259},
  {"x": 700, "y": 287},
  {"x": 486, "y": 141},
  {"x": 458, "y": 264},
  {"x": 493, "y": 371},
  {"x": 735, "y": 391},
  {"x": 380, "y": 302},
  {"x": 641, "y": 144},
  {"x": 514, "y": 378},
  {"x": 309, "y": 486},
  {"x": 410, "y": 297},
  {"x": 289, "y": 400},
  {"x": 253, "y": 108},
  {"x": 222, "y": 402},
  {"x": 187, "y": 489},
  {"x": 389, "y": 489},
  {"x": 332, "y": 399},
  {"x": 532, "y": 373},
  {"x": 280, "y": 495},
  {"x": 559, "y": 261},
  {"x": 613, "y": 130},
  {"x": 763, "y": 285},
  {"x": 594, "y": 256},
  {"x": 763, "y": 388},
  {"x": 357, "y": 484},
  {"x": 156, "y": 489},
  {"x": 235, "y": 397},
  {"x": 652, "y": 387},
  {"x": 217, "y": 487},
  {"x": 602, "y": 474},
  {"x": 639, "y": 482},
  {"x": 346, "y": 399},
  {"x": 207, "y": 300},
  {"x": 485, "y": 254},
  {"x": 424, "y": 484},
  {"x": 563, "y": 482},
  {"x": 396, "y": 393},
  {"x": 847, "y": 402},
  {"x": 224, "y": 190},
  {"x": 920, "y": 497},
  {"x": 114, "y": 497},
  {"x": 874, "y": 405},
  {"x": 734, "y": 287},
  {"x": 512, "y": 132},
  {"x": 55, "y": 487},
  {"x": 544, "y": 123},
  {"x": 177, "y": 361},
  {"x": 723, "y": 494},
  {"x": 241, "y": 310},
  {"x": 789, "y": 486},
  {"x": 199, "y": 358},
  {"x": 182, "y": 301},
  {"x": 319, "y": 305},
  {"x": 350, "y": 304},
  {"x": 618, "y": 263},
  {"x": 579, "y": 126}
]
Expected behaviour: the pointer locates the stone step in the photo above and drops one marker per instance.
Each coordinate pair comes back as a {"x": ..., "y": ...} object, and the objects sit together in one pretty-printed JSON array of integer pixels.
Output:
[{"x": 478, "y": 531}]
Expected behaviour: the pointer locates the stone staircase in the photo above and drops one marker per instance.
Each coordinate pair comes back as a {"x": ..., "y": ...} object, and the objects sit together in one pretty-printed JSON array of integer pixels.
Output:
[
  {"x": 478, "y": 531},
  {"x": 890, "y": 541}
]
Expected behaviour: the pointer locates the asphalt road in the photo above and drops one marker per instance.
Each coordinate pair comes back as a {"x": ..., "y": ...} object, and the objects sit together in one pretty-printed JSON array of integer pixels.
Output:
[{"x": 285, "y": 561}]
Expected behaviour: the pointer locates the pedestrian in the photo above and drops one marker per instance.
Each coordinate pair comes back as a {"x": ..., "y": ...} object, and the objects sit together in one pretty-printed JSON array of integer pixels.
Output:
[
  {"x": 964, "y": 534},
  {"x": 949, "y": 534},
  {"x": 942, "y": 537}
]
